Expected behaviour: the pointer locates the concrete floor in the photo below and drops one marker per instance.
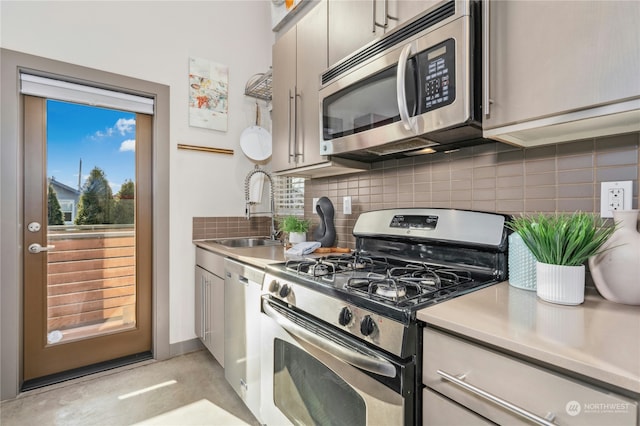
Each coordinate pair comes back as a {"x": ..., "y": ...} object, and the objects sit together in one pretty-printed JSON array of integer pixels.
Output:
[{"x": 199, "y": 396}]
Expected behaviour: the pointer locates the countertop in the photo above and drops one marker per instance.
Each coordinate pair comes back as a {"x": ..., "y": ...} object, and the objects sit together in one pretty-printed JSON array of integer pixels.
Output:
[
  {"x": 598, "y": 339},
  {"x": 258, "y": 256}
]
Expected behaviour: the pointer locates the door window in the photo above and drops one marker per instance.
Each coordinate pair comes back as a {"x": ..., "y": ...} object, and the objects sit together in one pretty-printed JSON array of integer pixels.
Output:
[{"x": 91, "y": 282}]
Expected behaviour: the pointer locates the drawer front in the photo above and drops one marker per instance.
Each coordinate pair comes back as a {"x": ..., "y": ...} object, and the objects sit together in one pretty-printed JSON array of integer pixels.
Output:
[
  {"x": 533, "y": 389},
  {"x": 212, "y": 262},
  {"x": 440, "y": 411}
]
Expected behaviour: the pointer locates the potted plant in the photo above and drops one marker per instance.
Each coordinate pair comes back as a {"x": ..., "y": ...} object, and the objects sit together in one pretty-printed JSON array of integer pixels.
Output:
[
  {"x": 296, "y": 227},
  {"x": 561, "y": 244}
]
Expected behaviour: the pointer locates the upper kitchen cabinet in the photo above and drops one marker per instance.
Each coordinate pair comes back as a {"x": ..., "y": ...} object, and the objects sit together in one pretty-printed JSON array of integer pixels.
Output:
[
  {"x": 299, "y": 56},
  {"x": 560, "y": 71},
  {"x": 354, "y": 23}
]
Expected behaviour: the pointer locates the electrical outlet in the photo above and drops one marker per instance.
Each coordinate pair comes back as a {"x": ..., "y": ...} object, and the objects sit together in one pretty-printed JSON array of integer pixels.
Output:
[
  {"x": 315, "y": 203},
  {"x": 346, "y": 205},
  {"x": 615, "y": 196}
]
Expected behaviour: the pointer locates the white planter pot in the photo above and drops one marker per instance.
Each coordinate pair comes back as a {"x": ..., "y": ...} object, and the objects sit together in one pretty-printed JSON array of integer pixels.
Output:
[
  {"x": 297, "y": 237},
  {"x": 560, "y": 284}
]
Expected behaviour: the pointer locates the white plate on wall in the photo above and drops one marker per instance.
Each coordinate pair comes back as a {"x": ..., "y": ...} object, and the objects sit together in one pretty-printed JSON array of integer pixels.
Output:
[{"x": 255, "y": 142}]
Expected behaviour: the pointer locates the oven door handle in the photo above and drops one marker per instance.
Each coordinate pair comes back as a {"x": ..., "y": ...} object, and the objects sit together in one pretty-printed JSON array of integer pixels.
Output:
[{"x": 367, "y": 362}]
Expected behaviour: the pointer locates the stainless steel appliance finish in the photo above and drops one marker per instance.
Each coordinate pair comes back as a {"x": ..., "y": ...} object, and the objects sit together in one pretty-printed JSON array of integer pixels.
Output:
[
  {"x": 417, "y": 87},
  {"x": 242, "y": 288},
  {"x": 359, "y": 310}
]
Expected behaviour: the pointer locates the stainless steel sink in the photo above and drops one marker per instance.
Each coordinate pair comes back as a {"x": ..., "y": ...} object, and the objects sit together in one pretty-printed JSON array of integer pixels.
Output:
[{"x": 247, "y": 242}]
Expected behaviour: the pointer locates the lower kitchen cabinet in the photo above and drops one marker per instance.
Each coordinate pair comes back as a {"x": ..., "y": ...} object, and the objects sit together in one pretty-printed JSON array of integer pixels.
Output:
[
  {"x": 209, "y": 302},
  {"x": 440, "y": 411},
  {"x": 476, "y": 384}
]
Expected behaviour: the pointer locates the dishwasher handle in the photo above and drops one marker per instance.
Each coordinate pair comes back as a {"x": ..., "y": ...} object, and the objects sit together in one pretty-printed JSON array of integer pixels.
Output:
[{"x": 367, "y": 362}]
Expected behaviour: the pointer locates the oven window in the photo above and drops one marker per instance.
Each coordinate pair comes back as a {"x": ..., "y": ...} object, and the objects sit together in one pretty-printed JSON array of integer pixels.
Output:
[
  {"x": 367, "y": 104},
  {"x": 307, "y": 392}
]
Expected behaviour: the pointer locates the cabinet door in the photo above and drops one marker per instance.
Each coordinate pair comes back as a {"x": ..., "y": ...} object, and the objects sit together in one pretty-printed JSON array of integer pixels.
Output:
[
  {"x": 284, "y": 86},
  {"x": 216, "y": 317},
  {"x": 549, "y": 58},
  {"x": 351, "y": 26},
  {"x": 404, "y": 10},
  {"x": 311, "y": 62},
  {"x": 439, "y": 411}
]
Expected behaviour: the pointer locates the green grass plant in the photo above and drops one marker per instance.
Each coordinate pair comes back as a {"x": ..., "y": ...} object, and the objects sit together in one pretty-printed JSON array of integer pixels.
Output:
[
  {"x": 563, "y": 238},
  {"x": 294, "y": 224}
]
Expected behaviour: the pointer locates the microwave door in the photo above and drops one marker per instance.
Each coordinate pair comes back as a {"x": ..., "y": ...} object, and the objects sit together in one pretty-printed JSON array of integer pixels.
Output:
[{"x": 366, "y": 108}]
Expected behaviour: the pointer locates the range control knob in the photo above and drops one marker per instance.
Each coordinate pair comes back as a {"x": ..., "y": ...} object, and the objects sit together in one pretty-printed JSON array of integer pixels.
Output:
[
  {"x": 345, "y": 316},
  {"x": 285, "y": 290},
  {"x": 274, "y": 286},
  {"x": 367, "y": 326}
]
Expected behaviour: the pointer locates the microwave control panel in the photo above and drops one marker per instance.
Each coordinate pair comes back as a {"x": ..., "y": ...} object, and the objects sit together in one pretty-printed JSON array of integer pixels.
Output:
[{"x": 436, "y": 71}]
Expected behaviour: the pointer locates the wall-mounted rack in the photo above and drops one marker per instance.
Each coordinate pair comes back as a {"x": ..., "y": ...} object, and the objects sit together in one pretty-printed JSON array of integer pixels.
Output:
[{"x": 259, "y": 86}]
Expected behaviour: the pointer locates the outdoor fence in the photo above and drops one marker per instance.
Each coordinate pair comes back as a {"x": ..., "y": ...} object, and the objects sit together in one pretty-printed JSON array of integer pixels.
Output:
[{"x": 91, "y": 275}]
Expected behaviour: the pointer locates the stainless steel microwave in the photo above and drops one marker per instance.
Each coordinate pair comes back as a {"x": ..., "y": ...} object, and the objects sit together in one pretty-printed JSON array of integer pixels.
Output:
[{"x": 415, "y": 90}]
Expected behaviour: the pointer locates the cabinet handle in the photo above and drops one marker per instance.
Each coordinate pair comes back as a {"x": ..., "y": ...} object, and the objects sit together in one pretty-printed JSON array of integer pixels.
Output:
[
  {"x": 373, "y": 16},
  {"x": 203, "y": 295},
  {"x": 496, "y": 400},
  {"x": 207, "y": 319},
  {"x": 299, "y": 147},
  {"x": 384, "y": 13},
  {"x": 486, "y": 101},
  {"x": 289, "y": 127},
  {"x": 408, "y": 122}
]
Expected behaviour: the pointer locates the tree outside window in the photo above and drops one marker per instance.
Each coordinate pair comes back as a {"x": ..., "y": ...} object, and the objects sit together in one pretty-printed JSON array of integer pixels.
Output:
[{"x": 96, "y": 201}]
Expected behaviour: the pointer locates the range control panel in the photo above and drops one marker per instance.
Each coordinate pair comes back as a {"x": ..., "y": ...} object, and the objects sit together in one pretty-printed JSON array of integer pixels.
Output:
[
  {"x": 409, "y": 221},
  {"x": 436, "y": 71}
]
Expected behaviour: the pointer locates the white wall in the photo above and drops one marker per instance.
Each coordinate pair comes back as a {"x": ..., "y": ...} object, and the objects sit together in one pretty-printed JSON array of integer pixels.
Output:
[{"x": 153, "y": 40}]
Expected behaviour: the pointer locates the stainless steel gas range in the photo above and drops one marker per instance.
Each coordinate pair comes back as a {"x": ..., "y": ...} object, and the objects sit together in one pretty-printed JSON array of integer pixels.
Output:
[{"x": 341, "y": 343}]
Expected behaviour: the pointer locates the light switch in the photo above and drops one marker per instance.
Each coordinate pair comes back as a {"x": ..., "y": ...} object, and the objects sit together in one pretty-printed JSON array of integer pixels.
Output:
[{"x": 346, "y": 205}]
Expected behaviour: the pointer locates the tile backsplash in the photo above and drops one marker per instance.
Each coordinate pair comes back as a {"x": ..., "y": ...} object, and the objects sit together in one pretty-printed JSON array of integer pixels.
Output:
[
  {"x": 493, "y": 177},
  {"x": 223, "y": 227}
]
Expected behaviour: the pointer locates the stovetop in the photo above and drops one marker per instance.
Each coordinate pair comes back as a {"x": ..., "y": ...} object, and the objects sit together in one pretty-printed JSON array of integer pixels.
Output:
[{"x": 393, "y": 284}]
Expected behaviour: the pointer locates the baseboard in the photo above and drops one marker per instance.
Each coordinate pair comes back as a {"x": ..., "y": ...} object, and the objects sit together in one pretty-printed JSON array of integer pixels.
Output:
[{"x": 185, "y": 347}]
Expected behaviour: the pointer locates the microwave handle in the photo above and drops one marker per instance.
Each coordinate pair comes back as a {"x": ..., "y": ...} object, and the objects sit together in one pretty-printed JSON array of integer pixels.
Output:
[
  {"x": 367, "y": 362},
  {"x": 408, "y": 122}
]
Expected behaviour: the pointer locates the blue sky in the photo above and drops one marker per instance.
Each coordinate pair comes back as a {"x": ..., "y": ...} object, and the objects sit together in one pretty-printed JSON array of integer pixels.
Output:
[{"x": 101, "y": 137}]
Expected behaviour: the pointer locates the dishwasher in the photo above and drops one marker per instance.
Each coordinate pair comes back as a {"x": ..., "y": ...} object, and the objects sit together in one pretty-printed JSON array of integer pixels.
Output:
[{"x": 242, "y": 290}]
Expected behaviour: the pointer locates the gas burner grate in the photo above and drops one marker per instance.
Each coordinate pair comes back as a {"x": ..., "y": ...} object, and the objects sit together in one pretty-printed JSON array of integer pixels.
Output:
[
  {"x": 327, "y": 267},
  {"x": 411, "y": 284}
]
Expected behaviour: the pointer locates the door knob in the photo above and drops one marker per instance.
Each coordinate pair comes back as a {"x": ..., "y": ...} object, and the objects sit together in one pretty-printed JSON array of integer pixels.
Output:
[{"x": 37, "y": 248}]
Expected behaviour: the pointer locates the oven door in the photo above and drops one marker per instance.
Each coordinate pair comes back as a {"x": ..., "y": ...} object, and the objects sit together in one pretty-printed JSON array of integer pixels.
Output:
[{"x": 308, "y": 379}]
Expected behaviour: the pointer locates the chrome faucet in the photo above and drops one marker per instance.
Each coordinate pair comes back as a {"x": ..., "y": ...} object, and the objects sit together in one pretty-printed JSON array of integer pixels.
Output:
[{"x": 249, "y": 203}]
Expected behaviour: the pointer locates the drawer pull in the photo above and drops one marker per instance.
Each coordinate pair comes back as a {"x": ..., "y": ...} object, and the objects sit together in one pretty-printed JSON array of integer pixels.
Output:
[{"x": 496, "y": 400}]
